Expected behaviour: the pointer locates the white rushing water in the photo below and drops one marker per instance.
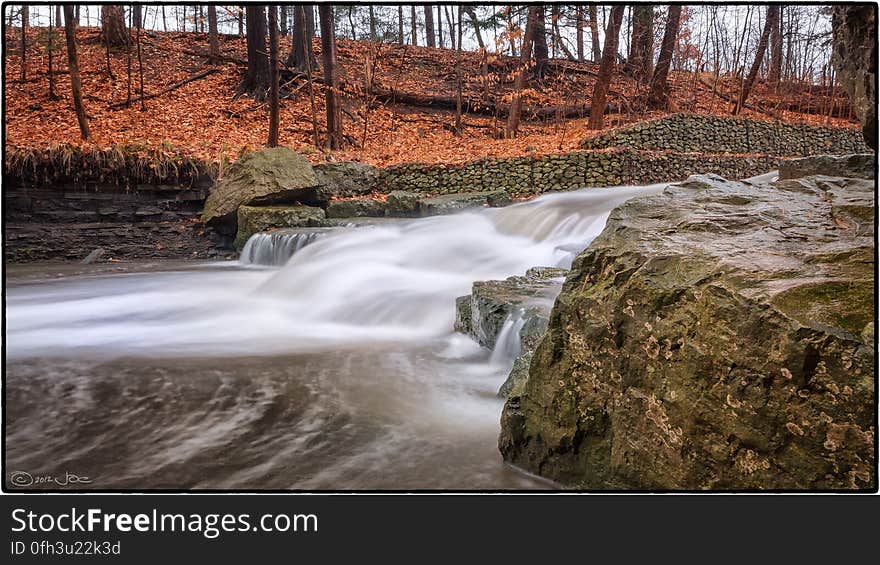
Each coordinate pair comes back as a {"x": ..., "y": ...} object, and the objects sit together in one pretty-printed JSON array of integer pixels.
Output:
[
  {"x": 339, "y": 370},
  {"x": 389, "y": 283}
]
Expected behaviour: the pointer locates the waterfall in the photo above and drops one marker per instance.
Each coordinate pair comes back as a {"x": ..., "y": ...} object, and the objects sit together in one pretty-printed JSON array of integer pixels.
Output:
[
  {"x": 395, "y": 282},
  {"x": 275, "y": 248},
  {"x": 507, "y": 344}
]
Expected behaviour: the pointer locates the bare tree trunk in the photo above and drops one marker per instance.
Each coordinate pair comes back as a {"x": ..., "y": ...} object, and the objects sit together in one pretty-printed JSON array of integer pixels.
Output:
[
  {"x": 331, "y": 78},
  {"x": 400, "y": 24},
  {"x": 73, "y": 66},
  {"x": 659, "y": 96},
  {"x": 50, "y": 48},
  {"x": 113, "y": 30},
  {"x": 513, "y": 116},
  {"x": 213, "y": 40},
  {"x": 140, "y": 63},
  {"x": 256, "y": 78},
  {"x": 241, "y": 10},
  {"x": 429, "y": 26},
  {"x": 606, "y": 68},
  {"x": 594, "y": 32},
  {"x": 137, "y": 15},
  {"x": 24, "y": 25},
  {"x": 373, "y": 36},
  {"x": 579, "y": 26},
  {"x": 415, "y": 26},
  {"x": 458, "y": 127},
  {"x": 128, "y": 67},
  {"x": 440, "y": 28},
  {"x": 448, "y": 21},
  {"x": 771, "y": 21},
  {"x": 273, "y": 76},
  {"x": 641, "y": 51},
  {"x": 775, "y": 70},
  {"x": 302, "y": 56},
  {"x": 469, "y": 10},
  {"x": 539, "y": 38}
]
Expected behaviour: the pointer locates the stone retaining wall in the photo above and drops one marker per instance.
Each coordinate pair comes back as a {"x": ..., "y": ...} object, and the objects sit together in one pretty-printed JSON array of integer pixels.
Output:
[
  {"x": 700, "y": 133},
  {"x": 526, "y": 176}
]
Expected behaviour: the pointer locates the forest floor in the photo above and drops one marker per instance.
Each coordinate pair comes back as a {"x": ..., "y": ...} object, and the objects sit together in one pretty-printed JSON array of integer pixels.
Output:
[{"x": 204, "y": 118}]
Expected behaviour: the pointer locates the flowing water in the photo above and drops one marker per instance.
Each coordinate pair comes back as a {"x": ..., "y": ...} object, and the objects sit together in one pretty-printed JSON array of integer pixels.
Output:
[{"x": 337, "y": 370}]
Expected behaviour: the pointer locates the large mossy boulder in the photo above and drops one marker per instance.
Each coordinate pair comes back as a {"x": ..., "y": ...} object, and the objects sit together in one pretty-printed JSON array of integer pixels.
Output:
[
  {"x": 270, "y": 176},
  {"x": 253, "y": 219},
  {"x": 719, "y": 335}
]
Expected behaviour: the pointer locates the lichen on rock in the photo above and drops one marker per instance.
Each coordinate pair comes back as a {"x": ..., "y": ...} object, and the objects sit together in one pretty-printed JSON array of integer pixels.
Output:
[{"x": 716, "y": 336}]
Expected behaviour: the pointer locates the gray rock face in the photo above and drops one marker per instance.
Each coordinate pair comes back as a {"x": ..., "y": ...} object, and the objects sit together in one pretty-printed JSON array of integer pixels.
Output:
[
  {"x": 345, "y": 179},
  {"x": 719, "y": 335},
  {"x": 355, "y": 208},
  {"x": 402, "y": 204},
  {"x": 263, "y": 177},
  {"x": 855, "y": 54},
  {"x": 852, "y": 166},
  {"x": 253, "y": 219},
  {"x": 528, "y": 298},
  {"x": 452, "y": 203}
]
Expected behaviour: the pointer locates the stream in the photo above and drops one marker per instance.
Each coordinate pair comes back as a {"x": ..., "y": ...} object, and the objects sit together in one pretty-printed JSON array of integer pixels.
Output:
[{"x": 337, "y": 368}]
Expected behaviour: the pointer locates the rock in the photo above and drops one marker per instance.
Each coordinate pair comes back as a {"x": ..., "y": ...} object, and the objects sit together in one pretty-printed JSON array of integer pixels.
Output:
[
  {"x": 528, "y": 299},
  {"x": 344, "y": 179},
  {"x": 253, "y": 219},
  {"x": 498, "y": 198},
  {"x": 854, "y": 54},
  {"x": 269, "y": 176},
  {"x": 452, "y": 203},
  {"x": 402, "y": 204},
  {"x": 355, "y": 208},
  {"x": 852, "y": 166},
  {"x": 716, "y": 336}
]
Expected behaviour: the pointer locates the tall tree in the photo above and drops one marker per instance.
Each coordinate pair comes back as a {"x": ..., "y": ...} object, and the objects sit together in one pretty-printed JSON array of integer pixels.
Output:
[
  {"x": 658, "y": 97},
  {"x": 50, "y": 51},
  {"x": 469, "y": 10},
  {"x": 140, "y": 26},
  {"x": 273, "y": 76},
  {"x": 373, "y": 36},
  {"x": 73, "y": 66},
  {"x": 24, "y": 25},
  {"x": 440, "y": 28},
  {"x": 539, "y": 38},
  {"x": 137, "y": 15},
  {"x": 606, "y": 68},
  {"x": 302, "y": 55},
  {"x": 513, "y": 115},
  {"x": 774, "y": 72},
  {"x": 213, "y": 39},
  {"x": 415, "y": 25},
  {"x": 331, "y": 77},
  {"x": 579, "y": 31},
  {"x": 256, "y": 78},
  {"x": 771, "y": 21},
  {"x": 641, "y": 49},
  {"x": 113, "y": 30},
  {"x": 400, "y": 39},
  {"x": 594, "y": 32},
  {"x": 429, "y": 26}
]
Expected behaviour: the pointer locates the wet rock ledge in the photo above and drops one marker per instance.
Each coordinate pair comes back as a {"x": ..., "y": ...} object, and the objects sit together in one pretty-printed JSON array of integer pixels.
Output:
[
  {"x": 523, "y": 302},
  {"x": 719, "y": 335}
]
